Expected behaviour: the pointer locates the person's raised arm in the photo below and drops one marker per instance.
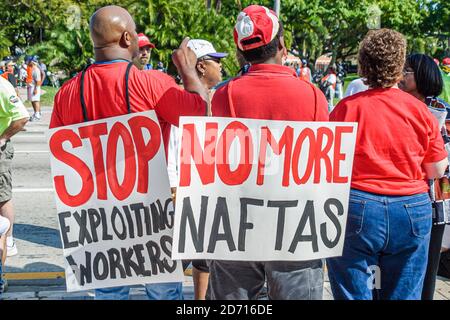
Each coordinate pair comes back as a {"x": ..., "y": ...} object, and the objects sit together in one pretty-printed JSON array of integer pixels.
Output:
[{"x": 185, "y": 60}]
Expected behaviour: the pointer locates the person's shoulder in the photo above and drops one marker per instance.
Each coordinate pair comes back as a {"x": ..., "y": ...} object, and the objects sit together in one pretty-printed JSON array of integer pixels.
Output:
[
  {"x": 407, "y": 98},
  {"x": 154, "y": 76},
  {"x": 357, "y": 99},
  {"x": 302, "y": 85},
  {"x": 69, "y": 86}
]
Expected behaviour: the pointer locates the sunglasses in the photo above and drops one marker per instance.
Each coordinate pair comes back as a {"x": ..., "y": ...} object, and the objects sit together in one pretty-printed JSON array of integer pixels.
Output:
[{"x": 211, "y": 59}]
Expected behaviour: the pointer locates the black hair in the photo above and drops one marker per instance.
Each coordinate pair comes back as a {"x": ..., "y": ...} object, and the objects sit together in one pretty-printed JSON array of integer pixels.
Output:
[
  {"x": 428, "y": 77},
  {"x": 263, "y": 53}
]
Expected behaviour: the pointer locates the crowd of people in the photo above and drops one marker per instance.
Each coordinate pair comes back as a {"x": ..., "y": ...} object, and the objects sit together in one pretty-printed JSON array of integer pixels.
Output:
[
  {"x": 399, "y": 196},
  {"x": 32, "y": 74}
]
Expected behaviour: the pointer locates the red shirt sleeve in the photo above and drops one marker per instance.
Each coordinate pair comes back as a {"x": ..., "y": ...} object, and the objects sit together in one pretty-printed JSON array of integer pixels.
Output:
[
  {"x": 55, "y": 120},
  {"x": 219, "y": 102},
  {"x": 172, "y": 101},
  {"x": 436, "y": 150},
  {"x": 339, "y": 113}
]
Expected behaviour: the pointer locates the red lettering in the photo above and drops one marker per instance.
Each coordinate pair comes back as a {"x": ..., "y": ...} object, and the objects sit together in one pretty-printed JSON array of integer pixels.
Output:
[
  {"x": 121, "y": 191},
  {"x": 204, "y": 160},
  {"x": 145, "y": 152},
  {"x": 87, "y": 183},
  {"x": 338, "y": 156},
  {"x": 286, "y": 140},
  {"x": 234, "y": 130},
  {"x": 322, "y": 154},
  {"x": 306, "y": 133},
  {"x": 93, "y": 133}
]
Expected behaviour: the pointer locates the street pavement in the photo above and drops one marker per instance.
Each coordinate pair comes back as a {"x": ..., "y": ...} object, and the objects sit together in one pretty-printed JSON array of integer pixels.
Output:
[{"x": 37, "y": 272}]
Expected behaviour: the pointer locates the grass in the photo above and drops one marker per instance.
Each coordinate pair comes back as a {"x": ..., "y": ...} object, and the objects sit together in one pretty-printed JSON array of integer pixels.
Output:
[
  {"x": 47, "y": 98},
  {"x": 349, "y": 78}
]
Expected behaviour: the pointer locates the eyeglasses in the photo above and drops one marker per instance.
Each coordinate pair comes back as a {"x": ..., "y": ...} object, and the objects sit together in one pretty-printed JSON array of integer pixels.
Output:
[
  {"x": 407, "y": 72},
  {"x": 211, "y": 59}
]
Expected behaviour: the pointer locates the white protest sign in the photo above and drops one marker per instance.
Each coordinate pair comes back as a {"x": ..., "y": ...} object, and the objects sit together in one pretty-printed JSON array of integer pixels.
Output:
[
  {"x": 113, "y": 201},
  {"x": 259, "y": 190}
]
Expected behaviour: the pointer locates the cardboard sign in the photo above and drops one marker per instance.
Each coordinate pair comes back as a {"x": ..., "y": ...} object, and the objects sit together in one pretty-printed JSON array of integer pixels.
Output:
[
  {"x": 113, "y": 201},
  {"x": 261, "y": 190}
]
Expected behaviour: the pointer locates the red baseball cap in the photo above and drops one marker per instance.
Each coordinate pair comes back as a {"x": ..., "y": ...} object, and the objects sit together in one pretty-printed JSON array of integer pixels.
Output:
[
  {"x": 256, "y": 26},
  {"x": 144, "y": 41},
  {"x": 446, "y": 61}
]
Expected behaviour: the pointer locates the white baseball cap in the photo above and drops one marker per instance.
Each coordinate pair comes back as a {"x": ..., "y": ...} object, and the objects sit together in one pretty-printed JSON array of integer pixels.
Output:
[{"x": 203, "y": 48}]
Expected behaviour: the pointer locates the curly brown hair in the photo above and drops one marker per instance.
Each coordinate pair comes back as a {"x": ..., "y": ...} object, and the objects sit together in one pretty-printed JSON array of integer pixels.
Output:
[{"x": 381, "y": 58}]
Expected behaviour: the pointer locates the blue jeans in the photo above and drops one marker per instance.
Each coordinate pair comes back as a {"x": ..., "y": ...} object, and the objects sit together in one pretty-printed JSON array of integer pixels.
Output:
[
  {"x": 2, "y": 283},
  {"x": 155, "y": 291},
  {"x": 385, "y": 250}
]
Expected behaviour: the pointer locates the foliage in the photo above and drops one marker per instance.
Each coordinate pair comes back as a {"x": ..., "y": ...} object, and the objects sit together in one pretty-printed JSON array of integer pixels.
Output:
[{"x": 57, "y": 30}]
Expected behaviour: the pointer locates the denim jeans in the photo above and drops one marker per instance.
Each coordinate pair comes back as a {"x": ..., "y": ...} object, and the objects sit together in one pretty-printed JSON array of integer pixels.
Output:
[
  {"x": 385, "y": 250},
  {"x": 155, "y": 291},
  {"x": 2, "y": 282}
]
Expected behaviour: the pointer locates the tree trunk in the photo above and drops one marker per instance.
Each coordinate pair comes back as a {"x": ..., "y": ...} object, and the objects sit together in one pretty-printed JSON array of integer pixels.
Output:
[
  {"x": 304, "y": 48},
  {"x": 218, "y": 5},
  {"x": 208, "y": 4}
]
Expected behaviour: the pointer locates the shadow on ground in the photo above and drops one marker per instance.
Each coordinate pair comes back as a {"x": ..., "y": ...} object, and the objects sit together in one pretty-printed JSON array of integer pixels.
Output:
[{"x": 36, "y": 234}]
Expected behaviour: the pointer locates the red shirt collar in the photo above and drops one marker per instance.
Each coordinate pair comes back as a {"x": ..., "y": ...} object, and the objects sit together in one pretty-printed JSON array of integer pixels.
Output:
[{"x": 271, "y": 68}]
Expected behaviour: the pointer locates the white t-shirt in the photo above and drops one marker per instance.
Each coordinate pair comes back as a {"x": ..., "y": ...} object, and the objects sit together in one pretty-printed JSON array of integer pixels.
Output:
[
  {"x": 36, "y": 75},
  {"x": 332, "y": 78},
  {"x": 355, "y": 86}
]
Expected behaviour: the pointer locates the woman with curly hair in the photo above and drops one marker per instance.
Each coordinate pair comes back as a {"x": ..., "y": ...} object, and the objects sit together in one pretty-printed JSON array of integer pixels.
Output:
[{"x": 398, "y": 144}]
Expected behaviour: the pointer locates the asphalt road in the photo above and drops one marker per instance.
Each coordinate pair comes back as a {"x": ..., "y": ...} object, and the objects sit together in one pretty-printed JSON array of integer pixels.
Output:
[{"x": 35, "y": 229}]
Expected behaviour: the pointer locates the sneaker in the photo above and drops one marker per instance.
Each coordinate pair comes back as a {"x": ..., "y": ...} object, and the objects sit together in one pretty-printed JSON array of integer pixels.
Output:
[
  {"x": 3, "y": 284},
  {"x": 11, "y": 250},
  {"x": 35, "y": 117}
]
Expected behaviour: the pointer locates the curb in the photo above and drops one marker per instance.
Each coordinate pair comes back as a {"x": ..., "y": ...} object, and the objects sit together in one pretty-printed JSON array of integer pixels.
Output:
[{"x": 21, "y": 279}]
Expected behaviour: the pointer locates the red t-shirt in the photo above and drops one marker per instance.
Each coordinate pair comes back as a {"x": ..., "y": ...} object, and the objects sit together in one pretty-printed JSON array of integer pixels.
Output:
[
  {"x": 396, "y": 135},
  {"x": 104, "y": 94},
  {"x": 273, "y": 92}
]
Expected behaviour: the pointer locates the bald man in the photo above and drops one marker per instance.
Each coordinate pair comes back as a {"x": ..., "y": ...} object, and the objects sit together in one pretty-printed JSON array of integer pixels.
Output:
[{"x": 113, "y": 33}]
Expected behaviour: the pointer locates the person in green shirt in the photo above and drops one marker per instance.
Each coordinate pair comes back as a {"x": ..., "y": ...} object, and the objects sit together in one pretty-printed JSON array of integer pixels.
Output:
[{"x": 13, "y": 117}]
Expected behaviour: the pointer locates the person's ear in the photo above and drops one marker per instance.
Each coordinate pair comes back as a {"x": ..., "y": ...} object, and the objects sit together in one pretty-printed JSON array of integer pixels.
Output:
[
  {"x": 201, "y": 68},
  {"x": 126, "y": 39},
  {"x": 282, "y": 47}
]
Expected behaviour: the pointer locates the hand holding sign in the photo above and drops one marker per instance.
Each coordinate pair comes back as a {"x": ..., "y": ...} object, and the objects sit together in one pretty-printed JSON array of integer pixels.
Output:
[
  {"x": 115, "y": 221},
  {"x": 260, "y": 190}
]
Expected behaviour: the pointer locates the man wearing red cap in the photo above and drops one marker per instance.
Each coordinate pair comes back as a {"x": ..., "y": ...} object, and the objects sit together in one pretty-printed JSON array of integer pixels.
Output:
[
  {"x": 271, "y": 91},
  {"x": 145, "y": 51}
]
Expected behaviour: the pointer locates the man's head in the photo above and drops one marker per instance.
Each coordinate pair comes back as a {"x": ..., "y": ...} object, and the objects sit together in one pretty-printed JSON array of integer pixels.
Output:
[
  {"x": 10, "y": 65},
  {"x": 209, "y": 67},
  {"x": 258, "y": 34},
  {"x": 145, "y": 49},
  {"x": 33, "y": 61},
  {"x": 113, "y": 33}
]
